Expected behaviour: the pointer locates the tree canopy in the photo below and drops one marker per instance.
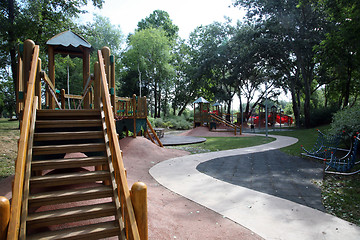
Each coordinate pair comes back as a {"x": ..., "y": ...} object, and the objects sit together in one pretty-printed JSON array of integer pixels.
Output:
[{"x": 308, "y": 48}]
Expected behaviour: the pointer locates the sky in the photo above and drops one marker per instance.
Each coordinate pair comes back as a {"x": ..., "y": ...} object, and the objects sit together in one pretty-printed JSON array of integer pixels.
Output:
[{"x": 186, "y": 14}]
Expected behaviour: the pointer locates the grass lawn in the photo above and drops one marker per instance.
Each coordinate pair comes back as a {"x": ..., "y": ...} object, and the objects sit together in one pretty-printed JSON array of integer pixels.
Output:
[
  {"x": 9, "y": 135},
  {"x": 214, "y": 144},
  {"x": 341, "y": 194}
]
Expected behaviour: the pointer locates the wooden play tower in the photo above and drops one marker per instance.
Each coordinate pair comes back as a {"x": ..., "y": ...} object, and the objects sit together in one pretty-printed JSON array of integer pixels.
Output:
[{"x": 84, "y": 195}]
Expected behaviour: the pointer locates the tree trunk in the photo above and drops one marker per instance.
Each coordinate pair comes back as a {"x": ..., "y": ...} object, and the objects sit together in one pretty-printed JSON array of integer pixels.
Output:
[
  {"x": 155, "y": 100},
  {"x": 12, "y": 43},
  {"x": 347, "y": 85},
  {"x": 228, "y": 111},
  {"x": 183, "y": 108}
]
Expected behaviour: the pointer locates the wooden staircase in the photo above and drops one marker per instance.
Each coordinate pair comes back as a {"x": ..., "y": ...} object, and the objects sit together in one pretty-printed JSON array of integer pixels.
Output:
[{"x": 73, "y": 197}]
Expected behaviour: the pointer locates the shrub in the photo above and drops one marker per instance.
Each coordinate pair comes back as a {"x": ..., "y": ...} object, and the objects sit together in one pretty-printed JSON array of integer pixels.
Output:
[
  {"x": 321, "y": 116},
  {"x": 347, "y": 120},
  {"x": 173, "y": 122}
]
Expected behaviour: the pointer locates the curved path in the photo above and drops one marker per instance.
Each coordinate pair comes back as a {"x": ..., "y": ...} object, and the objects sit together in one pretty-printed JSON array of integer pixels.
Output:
[{"x": 269, "y": 216}]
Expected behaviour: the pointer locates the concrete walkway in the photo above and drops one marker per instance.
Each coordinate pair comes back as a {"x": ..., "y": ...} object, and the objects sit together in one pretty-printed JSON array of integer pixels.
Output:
[{"x": 269, "y": 216}]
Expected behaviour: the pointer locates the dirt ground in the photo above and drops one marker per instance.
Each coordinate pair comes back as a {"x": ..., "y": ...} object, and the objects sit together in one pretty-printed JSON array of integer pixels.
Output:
[{"x": 170, "y": 215}]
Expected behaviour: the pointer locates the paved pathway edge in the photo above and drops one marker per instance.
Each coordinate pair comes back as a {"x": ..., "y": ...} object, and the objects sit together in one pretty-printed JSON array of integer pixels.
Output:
[{"x": 268, "y": 216}]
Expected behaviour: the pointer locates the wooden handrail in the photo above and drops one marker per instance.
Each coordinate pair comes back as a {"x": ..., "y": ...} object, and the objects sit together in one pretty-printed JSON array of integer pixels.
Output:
[
  {"x": 116, "y": 154},
  {"x": 154, "y": 133},
  {"x": 47, "y": 80},
  {"x": 14, "y": 224}
]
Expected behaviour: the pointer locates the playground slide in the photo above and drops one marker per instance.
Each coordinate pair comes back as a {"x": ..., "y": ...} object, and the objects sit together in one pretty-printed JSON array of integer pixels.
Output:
[{"x": 227, "y": 123}]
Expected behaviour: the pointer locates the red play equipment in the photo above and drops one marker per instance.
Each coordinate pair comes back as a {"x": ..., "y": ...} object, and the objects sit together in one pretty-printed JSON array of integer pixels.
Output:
[{"x": 281, "y": 119}]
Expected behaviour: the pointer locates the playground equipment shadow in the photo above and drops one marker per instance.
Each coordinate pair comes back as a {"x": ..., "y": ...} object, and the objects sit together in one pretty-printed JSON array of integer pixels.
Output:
[{"x": 253, "y": 202}]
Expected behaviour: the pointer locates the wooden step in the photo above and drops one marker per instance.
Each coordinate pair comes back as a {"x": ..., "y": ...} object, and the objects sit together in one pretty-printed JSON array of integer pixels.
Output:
[
  {"x": 89, "y": 232},
  {"x": 55, "y": 136},
  {"x": 68, "y": 163},
  {"x": 68, "y": 178},
  {"x": 68, "y": 215},
  {"x": 68, "y": 123},
  {"x": 68, "y": 148},
  {"x": 68, "y": 113},
  {"x": 69, "y": 195}
]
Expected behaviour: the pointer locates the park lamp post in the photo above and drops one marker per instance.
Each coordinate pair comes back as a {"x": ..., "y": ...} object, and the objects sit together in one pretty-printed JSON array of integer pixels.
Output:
[{"x": 266, "y": 111}]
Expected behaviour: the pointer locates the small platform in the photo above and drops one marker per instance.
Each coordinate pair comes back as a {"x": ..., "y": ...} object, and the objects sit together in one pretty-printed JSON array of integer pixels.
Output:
[{"x": 171, "y": 140}]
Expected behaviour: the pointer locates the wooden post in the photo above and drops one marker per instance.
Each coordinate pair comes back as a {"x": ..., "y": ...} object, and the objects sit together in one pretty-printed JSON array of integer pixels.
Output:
[
  {"x": 62, "y": 92},
  {"x": 134, "y": 114},
  {"x": 112, "y": 83},
  {"x": 51, "y": 66},
  {"x": 38, "y": 83},
  {"x": 19, "y": 86},
  {"x": 86, "y": 75},
  {"x": 4, "y": 216},
  {"x": 97, "y": 87},
  {"x": 28, "y": 51},
  {"x": 139, "y": 201},
  {"x": 106, "y": 55}
]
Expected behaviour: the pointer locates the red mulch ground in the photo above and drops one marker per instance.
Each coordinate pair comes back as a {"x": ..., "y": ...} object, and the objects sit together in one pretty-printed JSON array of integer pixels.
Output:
[{"x": 170, "y": 215}]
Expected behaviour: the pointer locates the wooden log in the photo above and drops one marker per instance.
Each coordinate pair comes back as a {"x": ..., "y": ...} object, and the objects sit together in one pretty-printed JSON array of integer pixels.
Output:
[
  {"x": 139, "y": 201},
  {"x": 4, "y": 216}
]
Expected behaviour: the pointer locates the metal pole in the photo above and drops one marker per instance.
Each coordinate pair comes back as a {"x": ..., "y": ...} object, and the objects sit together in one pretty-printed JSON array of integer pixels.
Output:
[{"x": 266, "y": 111}]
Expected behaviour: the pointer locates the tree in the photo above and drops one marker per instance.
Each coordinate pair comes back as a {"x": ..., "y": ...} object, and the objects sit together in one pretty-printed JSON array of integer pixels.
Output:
[
  {"x": 149, "y": 53},
  {"x": 100, "y": 32},
  {"x": 212, "y": 53},
  {"x": 338, "y": 54},
  {"x": 160, "y": 19},
  {"x": 300, "y": 27},
  {"x": 38, "y": 20},
  {"x": 7, "y": 97}
]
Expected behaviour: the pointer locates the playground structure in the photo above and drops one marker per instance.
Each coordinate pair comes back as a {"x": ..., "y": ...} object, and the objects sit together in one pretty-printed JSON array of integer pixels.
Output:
[
  {"x": 346, "y": 165},
  {"x": 337, "y": 160},
  {"x": 212, "y": 118},
  {"x": 131, "y": 115},
  {"x": 274, "y": 117},
  {"x": 204, "y": 117},
  {"x": 84, "y": 196}
]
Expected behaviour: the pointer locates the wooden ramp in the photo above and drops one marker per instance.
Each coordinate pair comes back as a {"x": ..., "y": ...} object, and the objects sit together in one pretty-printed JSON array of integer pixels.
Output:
[{"x": 66, "y": 198}]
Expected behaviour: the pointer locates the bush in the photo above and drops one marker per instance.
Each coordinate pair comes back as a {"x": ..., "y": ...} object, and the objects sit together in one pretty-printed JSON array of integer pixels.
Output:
[
  {"x": 173, "y": 122},
  {"x": 321, "y": 116},
  {"x": 347, "y": 120}
]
